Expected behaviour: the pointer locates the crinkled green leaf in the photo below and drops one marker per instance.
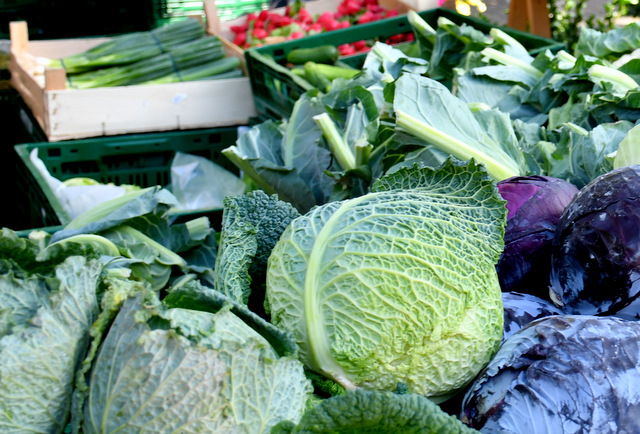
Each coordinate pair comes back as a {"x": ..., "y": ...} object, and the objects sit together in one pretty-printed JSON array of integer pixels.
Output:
[
  {"x": 238, "y": 247},
  {"x": 39, "y": 358},
  {"x": 154, "y": 381},
  {"x": 21, "y": 298},
  {"x": 366, "y": 411},
  {"x": 251, "y": 225},
  {"x": 191, "y": 294},
  {"x": 179, "y": 370},
  {"x": 359, "y": 282}
]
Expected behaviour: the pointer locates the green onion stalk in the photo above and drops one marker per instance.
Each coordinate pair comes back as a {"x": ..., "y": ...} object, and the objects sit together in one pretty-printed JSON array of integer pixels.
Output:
[
  {"x": 227, "y": 67},
  {"x": 190, "y": 55},
  {"x": 132, "y": 47}
]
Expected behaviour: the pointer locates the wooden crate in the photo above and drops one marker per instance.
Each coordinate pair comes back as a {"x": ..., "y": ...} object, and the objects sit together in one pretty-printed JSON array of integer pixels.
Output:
[{"x": 65, "y": 114}]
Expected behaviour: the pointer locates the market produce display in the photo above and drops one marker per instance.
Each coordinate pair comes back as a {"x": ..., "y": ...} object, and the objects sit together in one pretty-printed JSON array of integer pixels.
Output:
[{"x": 441, "y": 240}]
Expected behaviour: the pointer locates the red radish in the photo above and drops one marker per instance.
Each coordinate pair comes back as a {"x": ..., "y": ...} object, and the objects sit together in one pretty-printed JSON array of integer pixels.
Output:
[
  {"x": 346, "y": 49},
  {"x": 240, "y": 39},
  {"x": 296, "y": 35},
  {"x": 259, "y": 33},
  {"x": 240, "y": 28},
  {"x": 316, "y": 28},
  {"x": 367, "y": 17},
  {"x": 325, "y": 17},
  {"x": 359, "y": 45},
  {"x": 331, "y": 25}
]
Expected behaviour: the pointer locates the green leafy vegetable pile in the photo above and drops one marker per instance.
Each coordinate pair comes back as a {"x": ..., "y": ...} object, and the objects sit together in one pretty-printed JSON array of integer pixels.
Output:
[
  {"x": 464, "y": 94},
  {"x": 125, "y": 321},
  {"x": 356, "y": 287}
]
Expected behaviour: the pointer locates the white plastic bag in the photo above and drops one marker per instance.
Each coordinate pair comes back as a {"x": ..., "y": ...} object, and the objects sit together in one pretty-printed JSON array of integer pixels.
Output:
[
  {"x": 199, "y": 183},
  {"x": 76, "y": 199}
]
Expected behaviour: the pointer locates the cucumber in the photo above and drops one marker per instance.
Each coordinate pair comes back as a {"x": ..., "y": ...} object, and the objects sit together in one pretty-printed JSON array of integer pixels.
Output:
[{"x": 323, "y": 54}]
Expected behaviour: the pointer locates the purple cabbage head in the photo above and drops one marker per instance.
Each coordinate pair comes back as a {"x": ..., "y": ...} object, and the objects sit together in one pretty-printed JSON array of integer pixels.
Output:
[
  {"x": 521, "y": 309},
  {"x": 534, "y": 204},
  {"x": 560, "y": 374},
  {"x": 595, "y": 266}
]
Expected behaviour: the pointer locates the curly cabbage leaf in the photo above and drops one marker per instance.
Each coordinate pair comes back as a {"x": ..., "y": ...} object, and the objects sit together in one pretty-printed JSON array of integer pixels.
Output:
[
  {"x": 44, "y": 333},
  {"x": 189, "y": 293},
  {"x": 398, "y": 285},
  {"x": 366, "y": 411},
  {"x": 180, "y": 370},
  {"x": 251, "y": 225}
]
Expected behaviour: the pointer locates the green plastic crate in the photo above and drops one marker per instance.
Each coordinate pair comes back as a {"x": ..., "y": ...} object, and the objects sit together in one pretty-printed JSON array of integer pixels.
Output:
[
  {"x": 20, "y": 4},
  {"x": 276, "y": 89},
  {"x": 171, "y": 10},
  {"x": 138, "y": 159}
]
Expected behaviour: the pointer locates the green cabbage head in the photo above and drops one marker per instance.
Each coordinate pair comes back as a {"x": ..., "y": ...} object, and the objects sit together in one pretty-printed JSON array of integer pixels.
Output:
[{"x": 398, "y": 285}]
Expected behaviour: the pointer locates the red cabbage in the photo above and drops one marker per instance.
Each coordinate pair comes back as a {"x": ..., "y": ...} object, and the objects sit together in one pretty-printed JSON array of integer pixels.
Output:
[
  {"x": 596, "y": 251},
  {"x": 535, "y": 204}
]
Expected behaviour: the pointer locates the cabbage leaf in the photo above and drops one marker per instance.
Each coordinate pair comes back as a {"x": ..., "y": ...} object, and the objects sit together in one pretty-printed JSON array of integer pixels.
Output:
[
  {"x": 426, "y": 109},
  {"x": 364, "y": 411}
]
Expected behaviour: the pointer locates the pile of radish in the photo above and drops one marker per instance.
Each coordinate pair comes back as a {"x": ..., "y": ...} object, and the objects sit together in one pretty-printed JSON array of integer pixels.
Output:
[{"x": 295, "y": 21}]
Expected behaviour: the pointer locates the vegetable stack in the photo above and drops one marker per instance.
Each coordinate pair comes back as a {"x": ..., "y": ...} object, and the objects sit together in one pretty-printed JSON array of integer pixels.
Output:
[{"x": 180, "y": 51}]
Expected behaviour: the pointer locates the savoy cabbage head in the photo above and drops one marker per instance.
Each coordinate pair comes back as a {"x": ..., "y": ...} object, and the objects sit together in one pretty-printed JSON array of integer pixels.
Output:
[
  {"x": 175, "y": 369},
  {"x": 398, "y": 285},
  {"x": 46, "y": 311}
]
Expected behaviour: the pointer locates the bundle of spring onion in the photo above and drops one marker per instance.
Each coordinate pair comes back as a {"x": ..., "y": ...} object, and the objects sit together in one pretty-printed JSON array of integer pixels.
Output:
[
  {"x": 180, "y": 51},
  {"x": 132, "y": 47},
  {"x": 202, "y": 58}
]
